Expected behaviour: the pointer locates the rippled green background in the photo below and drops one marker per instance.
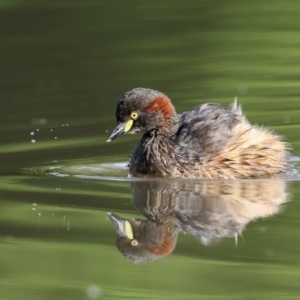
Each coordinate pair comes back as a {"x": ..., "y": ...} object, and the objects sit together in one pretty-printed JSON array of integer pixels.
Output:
[{"x": 63, "y": 66}]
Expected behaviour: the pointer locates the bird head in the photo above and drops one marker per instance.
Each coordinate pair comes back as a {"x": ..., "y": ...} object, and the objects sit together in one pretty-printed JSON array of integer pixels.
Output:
[
  {"x": 142, "y": 109},
  {"x": 142, "y": 241}
]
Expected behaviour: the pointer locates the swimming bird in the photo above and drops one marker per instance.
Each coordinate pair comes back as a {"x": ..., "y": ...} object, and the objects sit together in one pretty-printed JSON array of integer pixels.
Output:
[{"x": 209, "y": 141}]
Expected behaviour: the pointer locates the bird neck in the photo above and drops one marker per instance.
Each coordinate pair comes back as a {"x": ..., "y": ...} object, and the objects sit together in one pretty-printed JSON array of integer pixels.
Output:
[
  {"x": 151, "y": 156},
  {"x": 168, "y": 128}
]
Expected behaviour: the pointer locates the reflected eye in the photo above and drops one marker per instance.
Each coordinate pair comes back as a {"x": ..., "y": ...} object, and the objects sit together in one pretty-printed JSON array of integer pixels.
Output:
[
  {"x": 134, "y": 115},
  {"x": 134, "y": 242}
]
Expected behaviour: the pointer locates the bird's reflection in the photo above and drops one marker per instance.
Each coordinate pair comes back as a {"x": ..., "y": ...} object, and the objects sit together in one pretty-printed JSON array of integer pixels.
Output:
[{"x": 208, "y": 210}]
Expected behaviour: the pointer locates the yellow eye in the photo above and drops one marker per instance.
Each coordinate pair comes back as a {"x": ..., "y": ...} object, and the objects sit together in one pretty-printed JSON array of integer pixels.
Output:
[
  {"x": 134, "y": 115},
  {"x": 134, "y": 242}
]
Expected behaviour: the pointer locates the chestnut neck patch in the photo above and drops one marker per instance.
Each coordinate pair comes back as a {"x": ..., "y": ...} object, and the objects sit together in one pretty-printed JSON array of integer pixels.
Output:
[
  {"x": 165, "y": 248},
  {"x": 163, "y": 105}
]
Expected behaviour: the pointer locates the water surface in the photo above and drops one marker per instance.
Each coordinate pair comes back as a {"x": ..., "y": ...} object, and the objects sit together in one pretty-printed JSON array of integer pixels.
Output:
[{"x": 63, "y": 67}]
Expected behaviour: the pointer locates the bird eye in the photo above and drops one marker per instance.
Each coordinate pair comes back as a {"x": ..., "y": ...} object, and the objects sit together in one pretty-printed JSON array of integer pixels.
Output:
[
  {"x": 134, "y": 242},
  {"x": 134, "y": 115}
]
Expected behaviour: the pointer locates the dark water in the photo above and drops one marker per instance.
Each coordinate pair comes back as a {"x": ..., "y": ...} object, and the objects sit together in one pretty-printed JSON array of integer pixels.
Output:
[{"x": 63, "y": 67}]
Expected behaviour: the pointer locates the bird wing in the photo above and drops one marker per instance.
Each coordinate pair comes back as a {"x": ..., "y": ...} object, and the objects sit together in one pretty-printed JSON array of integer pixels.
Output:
[{"x": 208, "y": 127}]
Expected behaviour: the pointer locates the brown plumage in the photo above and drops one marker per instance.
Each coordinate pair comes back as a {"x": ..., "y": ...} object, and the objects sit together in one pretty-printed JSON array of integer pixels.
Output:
[{"x": 210, "y": 141}]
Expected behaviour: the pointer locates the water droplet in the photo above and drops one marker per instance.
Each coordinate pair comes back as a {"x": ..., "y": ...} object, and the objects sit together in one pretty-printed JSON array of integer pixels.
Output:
[
  {"x": 93, "y": 291},
  {"x": 31, "y": 133},
  {"x": 33, "y": 141}
]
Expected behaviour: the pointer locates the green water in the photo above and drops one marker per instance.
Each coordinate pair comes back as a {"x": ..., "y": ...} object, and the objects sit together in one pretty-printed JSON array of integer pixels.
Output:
[{"x": 63, "y": 67}]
